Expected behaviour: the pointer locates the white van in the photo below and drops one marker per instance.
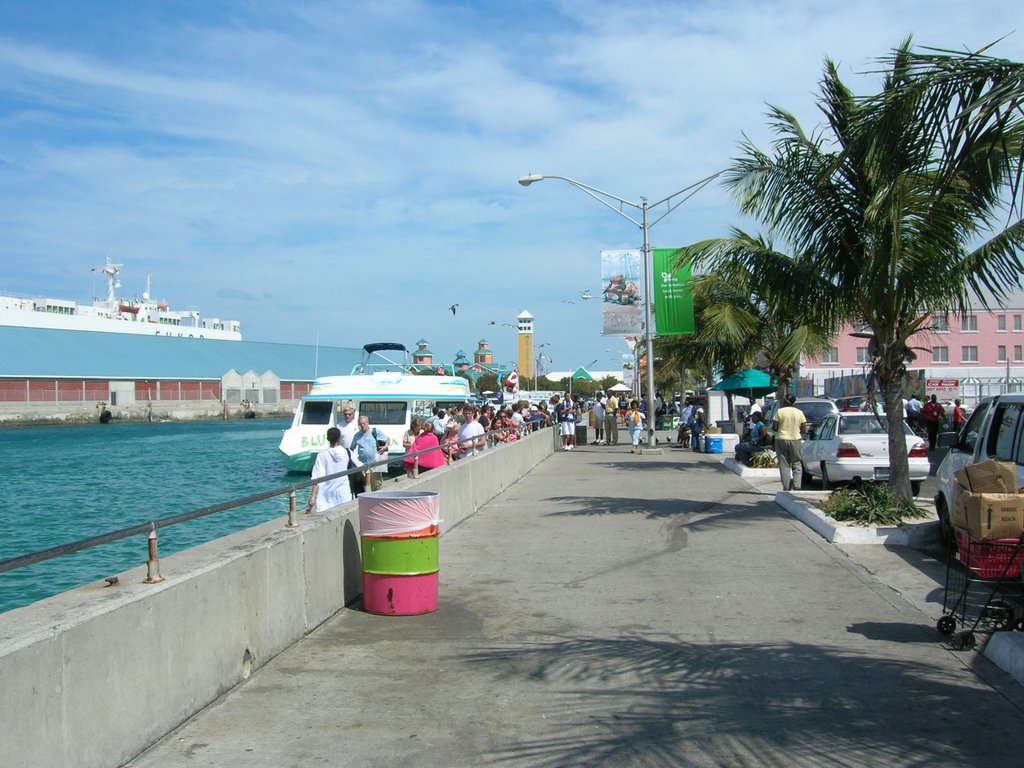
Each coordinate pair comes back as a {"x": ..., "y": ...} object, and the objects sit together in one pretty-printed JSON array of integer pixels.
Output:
[{"x": 995, "y": 430}]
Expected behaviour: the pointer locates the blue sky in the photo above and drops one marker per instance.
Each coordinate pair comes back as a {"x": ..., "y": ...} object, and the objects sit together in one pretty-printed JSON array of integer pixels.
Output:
[{"x": 347, "y": 170}]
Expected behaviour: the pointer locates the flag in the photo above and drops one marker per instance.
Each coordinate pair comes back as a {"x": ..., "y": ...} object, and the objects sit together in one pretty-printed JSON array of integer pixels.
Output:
[{"x": 512, "y": 382}]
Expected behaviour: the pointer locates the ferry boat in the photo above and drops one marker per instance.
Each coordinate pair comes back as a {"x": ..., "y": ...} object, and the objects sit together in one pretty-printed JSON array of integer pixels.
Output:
[
  {"x": 115, "y": 314},
  {"x": 388, "y": 391}
]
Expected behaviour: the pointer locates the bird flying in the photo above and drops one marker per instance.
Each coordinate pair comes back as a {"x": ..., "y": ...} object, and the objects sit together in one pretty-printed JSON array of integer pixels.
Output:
[
  {"x": 587, "y": 294},
  {"x": 453, "y": 307}
]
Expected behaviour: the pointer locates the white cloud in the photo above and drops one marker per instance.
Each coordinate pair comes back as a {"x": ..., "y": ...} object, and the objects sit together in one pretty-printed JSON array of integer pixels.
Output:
[{"x": 353, "y": 165}]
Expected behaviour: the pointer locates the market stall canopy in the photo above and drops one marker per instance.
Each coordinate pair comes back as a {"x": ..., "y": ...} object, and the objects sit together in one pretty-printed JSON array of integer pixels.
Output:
[
  {"x": 751, "y": 382},
  {"x": 619, "y": 388}
]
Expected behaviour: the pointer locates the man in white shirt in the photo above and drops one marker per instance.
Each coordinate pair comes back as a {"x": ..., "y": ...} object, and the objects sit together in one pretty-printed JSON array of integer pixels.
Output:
[
  {"x": 471, "y": 438},
  {"x": 349, "y": 428},
  {"x": 599, "y": 414}
]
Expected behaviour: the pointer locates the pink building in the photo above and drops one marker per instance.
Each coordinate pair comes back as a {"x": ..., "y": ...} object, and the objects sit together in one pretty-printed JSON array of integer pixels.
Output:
[{"x": 983, "y": 350}]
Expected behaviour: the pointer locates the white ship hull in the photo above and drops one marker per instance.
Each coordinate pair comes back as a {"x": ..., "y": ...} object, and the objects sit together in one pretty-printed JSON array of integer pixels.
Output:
[
  {"x": 21, "y": 318},
  {"x": 115, "y": 315}
]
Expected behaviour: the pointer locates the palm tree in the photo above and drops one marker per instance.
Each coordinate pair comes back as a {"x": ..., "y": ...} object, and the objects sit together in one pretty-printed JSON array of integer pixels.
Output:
[
  {"x": 903, "y": 206},
  {"x": 742, "y": 312}
]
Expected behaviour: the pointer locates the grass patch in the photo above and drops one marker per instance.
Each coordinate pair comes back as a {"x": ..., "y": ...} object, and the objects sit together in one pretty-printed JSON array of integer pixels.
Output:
[{"x": 870, "y": 504}]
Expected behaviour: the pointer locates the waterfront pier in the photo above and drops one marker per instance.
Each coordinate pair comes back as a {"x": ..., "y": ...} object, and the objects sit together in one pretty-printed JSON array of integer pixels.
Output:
[
  {"x": 597, "y": 608},
  {"x": 619, "y": 610}
]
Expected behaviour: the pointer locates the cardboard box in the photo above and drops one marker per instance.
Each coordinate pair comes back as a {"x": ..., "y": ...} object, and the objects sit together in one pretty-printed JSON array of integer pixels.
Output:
[
  {"x": 713, "y": 431},
  {"x": 989, "y": 515},
  {"x": 989, "y": 477}
]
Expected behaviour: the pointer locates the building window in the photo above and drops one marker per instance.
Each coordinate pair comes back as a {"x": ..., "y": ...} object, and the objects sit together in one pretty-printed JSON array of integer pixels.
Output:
[
  {"x": 1018, "y": 353},
  {"x": 1001, "y": 353},
  {"x": 940, "y": 354},
  {"x": 970, "y": 324},
  {"x": 1001, "y": 323},
  {"x": 969, "y": 354},
  {"x": 862, "y": 355},
  {"x": 831, "y": 357},
  {"x": 1016, "y": 323},
  {"x": 940, "y": 324}
]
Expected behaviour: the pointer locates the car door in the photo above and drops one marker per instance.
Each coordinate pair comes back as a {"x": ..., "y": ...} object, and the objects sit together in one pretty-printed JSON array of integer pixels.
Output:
[
  {"x": 970, "y": 444},
  {"x": 818, "y": 449}
]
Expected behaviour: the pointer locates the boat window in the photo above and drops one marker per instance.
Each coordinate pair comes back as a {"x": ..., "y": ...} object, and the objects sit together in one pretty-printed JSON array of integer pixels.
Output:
[
  {"x": 1007, "y": 423},
  {"x": 317, "y": 411},
  {"x": 423, "y": 408},
  {"x": 383, "y": 412}
]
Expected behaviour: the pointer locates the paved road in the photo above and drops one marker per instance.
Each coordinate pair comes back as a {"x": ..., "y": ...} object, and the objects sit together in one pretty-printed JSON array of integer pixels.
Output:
[{"x": 620, "y": 610}]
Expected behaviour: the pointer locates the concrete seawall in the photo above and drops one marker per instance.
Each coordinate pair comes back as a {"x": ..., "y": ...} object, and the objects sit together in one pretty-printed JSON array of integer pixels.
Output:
[
  {"x": 93, "y": 676},
  {"x": 42, "y": 414}
]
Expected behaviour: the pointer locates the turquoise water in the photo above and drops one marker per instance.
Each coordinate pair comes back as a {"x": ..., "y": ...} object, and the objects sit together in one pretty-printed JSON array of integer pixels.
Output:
[{"x": 60, "y": 484}]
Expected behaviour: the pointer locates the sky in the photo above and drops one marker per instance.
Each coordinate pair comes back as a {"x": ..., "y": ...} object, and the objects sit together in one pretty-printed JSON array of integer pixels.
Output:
[{"x": 343, "y": 172}]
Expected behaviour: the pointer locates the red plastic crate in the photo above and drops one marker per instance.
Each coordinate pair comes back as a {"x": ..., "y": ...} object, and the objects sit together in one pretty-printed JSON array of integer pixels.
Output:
[{"x": 990, "y": 558}]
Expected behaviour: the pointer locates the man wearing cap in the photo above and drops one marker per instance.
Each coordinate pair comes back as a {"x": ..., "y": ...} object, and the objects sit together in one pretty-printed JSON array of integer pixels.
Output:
[{"x": 536, "y": 419}]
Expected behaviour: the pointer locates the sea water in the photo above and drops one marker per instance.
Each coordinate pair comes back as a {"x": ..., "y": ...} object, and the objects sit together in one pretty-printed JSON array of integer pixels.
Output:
[{"x": 60, "y": 484}]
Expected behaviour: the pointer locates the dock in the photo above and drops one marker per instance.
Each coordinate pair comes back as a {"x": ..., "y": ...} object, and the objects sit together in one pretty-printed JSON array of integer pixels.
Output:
[{"x": 611, "y": 609}]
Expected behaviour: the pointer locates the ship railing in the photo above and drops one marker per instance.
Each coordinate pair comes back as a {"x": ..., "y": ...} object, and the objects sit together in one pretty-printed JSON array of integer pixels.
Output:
[
  {"x": 439, "y": 369},
  {"x": 151, "y": 527}
]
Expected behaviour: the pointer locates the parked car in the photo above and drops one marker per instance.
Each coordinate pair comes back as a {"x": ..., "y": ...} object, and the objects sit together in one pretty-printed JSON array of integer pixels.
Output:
[
  {"x": 814, "y": 408},
  {"x": 854, "y": 447},
  {"x": 994, "y": 430},
  {"x": 851, "y": 403}
]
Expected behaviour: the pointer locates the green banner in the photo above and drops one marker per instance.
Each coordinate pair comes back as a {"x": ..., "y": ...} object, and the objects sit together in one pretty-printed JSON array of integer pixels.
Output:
[{"x": 673, "y": 295}]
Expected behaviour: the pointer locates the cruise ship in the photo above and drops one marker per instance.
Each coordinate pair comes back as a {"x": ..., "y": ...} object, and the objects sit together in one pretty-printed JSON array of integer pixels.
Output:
[{"x": 143, "y": 316}]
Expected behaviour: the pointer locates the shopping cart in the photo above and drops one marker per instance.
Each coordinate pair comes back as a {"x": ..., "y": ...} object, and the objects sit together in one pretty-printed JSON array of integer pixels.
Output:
[{"x": 984, "y": 591}]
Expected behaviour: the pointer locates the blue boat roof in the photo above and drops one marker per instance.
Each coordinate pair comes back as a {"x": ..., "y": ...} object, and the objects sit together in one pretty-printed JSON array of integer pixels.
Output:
[{"x": 42, "y": 352}]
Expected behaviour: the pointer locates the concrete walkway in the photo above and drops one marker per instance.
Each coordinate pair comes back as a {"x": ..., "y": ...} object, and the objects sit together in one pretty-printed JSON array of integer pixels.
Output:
[{"x": 621, "y": 610}]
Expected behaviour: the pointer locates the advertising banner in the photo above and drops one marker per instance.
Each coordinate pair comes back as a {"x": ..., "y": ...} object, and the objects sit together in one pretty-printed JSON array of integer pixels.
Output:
[
  {"x": 673, "y": 294},
  {"x": 622, "y": 279}
]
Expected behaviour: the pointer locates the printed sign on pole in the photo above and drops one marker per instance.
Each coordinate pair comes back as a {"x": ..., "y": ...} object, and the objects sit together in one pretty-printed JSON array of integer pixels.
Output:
[
  {"x": 622, "y": 279},
  {"x": 673, "y": 294}
]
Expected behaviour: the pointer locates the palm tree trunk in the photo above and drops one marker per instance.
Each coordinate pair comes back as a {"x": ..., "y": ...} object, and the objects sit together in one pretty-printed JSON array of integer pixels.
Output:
[{"x": 890, "y": 382}]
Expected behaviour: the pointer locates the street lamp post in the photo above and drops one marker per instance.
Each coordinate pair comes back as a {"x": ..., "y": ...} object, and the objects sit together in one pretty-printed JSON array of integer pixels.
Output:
[{"x": 645, "y": 224}]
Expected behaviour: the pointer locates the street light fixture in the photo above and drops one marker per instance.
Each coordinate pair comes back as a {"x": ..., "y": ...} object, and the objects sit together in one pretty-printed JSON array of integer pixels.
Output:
[{"x": 670, "y": 203}]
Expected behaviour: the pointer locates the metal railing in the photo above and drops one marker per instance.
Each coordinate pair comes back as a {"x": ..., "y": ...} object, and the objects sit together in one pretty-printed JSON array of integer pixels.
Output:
[{"x": 151, "y": 527}]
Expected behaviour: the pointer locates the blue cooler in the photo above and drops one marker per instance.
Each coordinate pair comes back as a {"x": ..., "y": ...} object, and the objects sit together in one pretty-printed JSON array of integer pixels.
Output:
[{"x": 712, "y": 443}]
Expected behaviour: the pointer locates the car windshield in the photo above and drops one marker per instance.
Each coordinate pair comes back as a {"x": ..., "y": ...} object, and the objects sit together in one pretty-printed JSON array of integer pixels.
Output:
[
  {"x": 867, "y": 424},
  {"x": 816, "y": 411}
]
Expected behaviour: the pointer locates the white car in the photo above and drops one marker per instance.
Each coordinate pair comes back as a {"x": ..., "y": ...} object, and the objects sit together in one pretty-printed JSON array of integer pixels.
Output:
[{"x": 848, "y": 447}]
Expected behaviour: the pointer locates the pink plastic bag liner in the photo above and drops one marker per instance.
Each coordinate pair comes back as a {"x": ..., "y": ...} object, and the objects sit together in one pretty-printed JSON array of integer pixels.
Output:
[{"x": 388, "y": 513}]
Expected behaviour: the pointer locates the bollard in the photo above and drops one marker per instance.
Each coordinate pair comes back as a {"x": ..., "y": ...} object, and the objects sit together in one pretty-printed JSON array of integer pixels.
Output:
[
  {"x": 153, "y": 564},
  {"x": 292, "y": 516}
]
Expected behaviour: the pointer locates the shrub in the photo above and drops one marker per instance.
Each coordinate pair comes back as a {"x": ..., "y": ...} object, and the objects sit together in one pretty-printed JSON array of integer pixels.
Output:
[
  {"x": 764, "y": 460},
  {"x": 870, "y": 504}
]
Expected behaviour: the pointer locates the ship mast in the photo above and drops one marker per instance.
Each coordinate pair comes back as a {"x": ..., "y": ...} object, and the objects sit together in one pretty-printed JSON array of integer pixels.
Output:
[{"x": 111, "y": 270}]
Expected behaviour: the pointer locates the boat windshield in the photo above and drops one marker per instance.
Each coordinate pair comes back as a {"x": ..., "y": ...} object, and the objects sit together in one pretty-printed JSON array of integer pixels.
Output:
[{"x": 317, "y": 411}]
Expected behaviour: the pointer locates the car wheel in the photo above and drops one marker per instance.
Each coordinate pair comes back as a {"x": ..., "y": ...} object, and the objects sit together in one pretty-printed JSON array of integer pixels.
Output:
[
  {"x": 915, "y": 488},
  {"x": 945, "y": 527},
  {"x": 826, "y": 484}
]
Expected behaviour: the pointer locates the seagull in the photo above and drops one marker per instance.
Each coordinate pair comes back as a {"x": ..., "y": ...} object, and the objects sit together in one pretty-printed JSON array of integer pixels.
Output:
[
  {"x": 566, "y": 301},
  {"x": 453, "y": 307},
  {"x": 493, "y": 322},
  {"x": 587, "y": 294}
]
